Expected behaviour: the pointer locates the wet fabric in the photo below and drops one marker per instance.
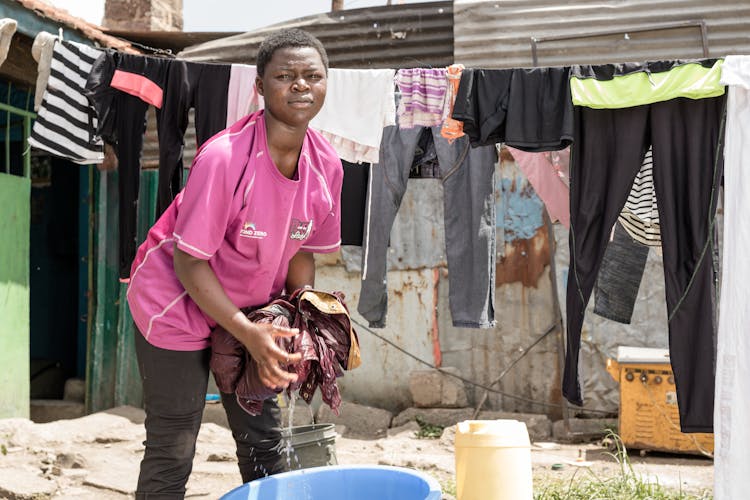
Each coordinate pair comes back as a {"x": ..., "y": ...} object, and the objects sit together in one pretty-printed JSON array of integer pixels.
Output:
[
  {"x": 528, "y": 109},
  {"x": 66, "y": 122},
  {"x": 326, "y": 340},
  {"x": 235, "y": 370},
  {"x": 607, "y": 153},
  {"x": 731, "y": 432},
  {"x": 467, "y": 175},
  {"x": 620, "y": 276},
  {"x": 612, "y": 86}
]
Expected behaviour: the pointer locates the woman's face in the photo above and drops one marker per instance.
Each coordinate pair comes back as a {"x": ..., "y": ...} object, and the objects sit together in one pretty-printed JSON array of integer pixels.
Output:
[{"x": 294, "y": 85}]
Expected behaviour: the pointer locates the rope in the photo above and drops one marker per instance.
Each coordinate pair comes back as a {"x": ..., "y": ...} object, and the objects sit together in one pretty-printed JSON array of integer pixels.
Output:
[
  {"x": 549, "y": 330},
  {"x": 466, "y": 380}
]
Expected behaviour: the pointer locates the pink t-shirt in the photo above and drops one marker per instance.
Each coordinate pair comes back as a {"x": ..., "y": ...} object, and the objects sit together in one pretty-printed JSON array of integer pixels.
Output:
[{"x": 246, "y": 219}]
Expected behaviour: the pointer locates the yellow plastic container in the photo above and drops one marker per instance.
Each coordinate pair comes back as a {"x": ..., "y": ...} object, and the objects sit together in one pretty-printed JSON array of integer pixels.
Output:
[{"x": 493, "y": 460}]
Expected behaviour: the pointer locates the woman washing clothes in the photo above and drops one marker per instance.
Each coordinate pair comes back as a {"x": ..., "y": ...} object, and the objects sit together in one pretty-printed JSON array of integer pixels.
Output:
[{"x": 262, "y": 196}]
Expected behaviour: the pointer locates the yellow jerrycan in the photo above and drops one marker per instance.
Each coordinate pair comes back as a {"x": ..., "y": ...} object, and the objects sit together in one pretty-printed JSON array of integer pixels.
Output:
[{"x": 493, "y": 460}]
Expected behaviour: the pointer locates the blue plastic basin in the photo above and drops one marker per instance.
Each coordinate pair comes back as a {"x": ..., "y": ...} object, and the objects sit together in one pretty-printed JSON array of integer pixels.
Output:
[{"x": 341, "y": 482}]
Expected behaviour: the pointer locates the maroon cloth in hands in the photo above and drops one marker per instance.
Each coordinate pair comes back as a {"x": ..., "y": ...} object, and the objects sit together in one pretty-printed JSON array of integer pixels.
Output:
[
  {"x": 330, "y": 338},
  {"x": 234, "y": 368},
  {"x": 324, "y": 340}
]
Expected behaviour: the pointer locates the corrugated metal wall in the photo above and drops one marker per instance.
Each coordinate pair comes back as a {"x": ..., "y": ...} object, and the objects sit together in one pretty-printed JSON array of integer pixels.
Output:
[
  {"x": 418, "y": 305},
  {"x": 497, "y": 34},
  {"x": 398, "y": 36}
]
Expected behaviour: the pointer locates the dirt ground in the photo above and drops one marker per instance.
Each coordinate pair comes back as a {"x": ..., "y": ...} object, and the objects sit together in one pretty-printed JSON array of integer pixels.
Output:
[{"x": 97, "y": 457}]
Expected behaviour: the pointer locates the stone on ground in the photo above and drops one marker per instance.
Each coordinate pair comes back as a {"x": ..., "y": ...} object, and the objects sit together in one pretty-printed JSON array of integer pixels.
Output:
[
  {"x": 49, "y": 410},
  {"x": 433, "y": 389},
  {"x": 583, "y": 429},
  {"x": 409, "y": 428},
  {"x": 18, "y": 484}
]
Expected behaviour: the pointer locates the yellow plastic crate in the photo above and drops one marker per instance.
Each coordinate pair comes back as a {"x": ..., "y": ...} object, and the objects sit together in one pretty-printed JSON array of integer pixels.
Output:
[{"x": 649, "y": 417}]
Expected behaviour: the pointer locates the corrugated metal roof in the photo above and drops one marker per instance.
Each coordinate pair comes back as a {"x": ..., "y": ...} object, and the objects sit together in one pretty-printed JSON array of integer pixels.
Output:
[
  {"x": 497, "y": 34},
  {"x": 171, "y": 40},
  {"x": 397, "y": 36}
]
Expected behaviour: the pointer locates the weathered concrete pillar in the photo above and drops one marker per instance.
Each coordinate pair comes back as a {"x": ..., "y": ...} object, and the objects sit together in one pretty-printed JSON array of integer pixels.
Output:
[{"x": 143, "y": 15}]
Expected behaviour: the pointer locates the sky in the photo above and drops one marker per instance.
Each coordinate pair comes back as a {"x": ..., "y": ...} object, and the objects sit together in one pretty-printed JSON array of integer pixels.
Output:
[{"x": 228, "y": 15}]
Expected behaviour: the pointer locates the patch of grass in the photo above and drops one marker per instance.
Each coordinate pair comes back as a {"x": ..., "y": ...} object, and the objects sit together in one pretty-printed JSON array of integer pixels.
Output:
[
  {"x": 448, "y": 487},
  {"x": 626, "y": 485},
  {"x": 3, "y": 449},
  {"x": 427, "y": 430}
]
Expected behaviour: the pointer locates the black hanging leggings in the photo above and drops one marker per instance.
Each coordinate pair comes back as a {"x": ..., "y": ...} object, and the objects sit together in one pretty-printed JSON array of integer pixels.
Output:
[
  {"x": 182, "y": 86},
  {"x": 608, "y": 151},
  {"x": 189, "y": 85}
]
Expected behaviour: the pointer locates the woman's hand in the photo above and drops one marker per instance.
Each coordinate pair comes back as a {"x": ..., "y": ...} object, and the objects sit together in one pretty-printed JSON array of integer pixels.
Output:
[{"x": 260, "y": 340}]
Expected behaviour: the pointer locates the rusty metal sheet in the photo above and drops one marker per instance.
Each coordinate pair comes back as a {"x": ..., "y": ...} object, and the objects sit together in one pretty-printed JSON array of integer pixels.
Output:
[
  {"x": 410, "y": 324},
  {"x": 522, "y": 241},
  {"x": 418, "y": 234},
  {"x": 523, "y": 314}
]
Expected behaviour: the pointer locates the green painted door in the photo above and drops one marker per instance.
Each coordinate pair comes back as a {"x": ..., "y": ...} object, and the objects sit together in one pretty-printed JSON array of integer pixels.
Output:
[{"x": 15, "y": 193}]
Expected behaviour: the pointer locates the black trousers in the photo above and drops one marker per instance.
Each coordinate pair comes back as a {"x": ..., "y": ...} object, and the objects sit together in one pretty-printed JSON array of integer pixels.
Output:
[
  {"x": 122, "y": 123},
  {"x": 174, "y": 394},
  {"x": 608, "y": 151},
  {"x": 199, "y": 86}
]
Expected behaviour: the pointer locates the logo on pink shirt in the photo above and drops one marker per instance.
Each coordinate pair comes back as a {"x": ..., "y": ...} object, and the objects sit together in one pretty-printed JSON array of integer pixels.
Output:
[
  {"x": 249, "y": 231},
  {"x": 300, "y": 230}
]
